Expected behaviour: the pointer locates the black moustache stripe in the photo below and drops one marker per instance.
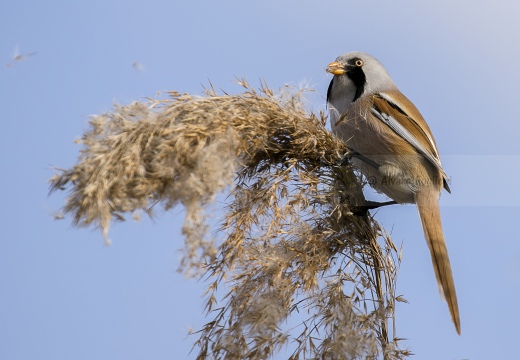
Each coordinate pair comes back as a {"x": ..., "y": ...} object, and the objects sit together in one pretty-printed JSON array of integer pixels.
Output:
[
  {"x": 329, "y": 90},
  {"x": 359, "y": 79}
]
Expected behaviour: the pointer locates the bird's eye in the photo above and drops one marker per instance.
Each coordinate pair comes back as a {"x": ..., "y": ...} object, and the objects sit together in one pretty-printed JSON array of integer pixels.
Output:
[{"x": 359, "y": 62}]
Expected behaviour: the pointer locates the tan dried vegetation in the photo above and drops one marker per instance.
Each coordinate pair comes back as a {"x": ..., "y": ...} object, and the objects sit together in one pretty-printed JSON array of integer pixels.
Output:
[{"x": 297, "y": 265}]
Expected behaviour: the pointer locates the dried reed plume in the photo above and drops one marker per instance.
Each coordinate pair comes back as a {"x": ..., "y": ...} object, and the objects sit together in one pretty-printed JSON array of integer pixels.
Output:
[{"x": 295, "y": 238}]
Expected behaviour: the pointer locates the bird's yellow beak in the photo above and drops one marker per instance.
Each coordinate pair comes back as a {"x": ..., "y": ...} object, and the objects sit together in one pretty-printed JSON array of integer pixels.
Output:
[{"x": 336, "y": 68}]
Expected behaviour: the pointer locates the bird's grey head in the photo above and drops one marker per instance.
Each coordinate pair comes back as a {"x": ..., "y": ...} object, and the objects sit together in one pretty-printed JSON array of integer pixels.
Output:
[{"x": 356, "y": 74}]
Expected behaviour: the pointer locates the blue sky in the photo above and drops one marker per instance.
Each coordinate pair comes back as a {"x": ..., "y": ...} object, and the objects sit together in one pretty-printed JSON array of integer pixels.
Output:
[{"x": 65, "y": 295}]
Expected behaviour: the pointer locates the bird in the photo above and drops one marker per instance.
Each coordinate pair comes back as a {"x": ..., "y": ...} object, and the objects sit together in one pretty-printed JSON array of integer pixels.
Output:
[
  {"x": 391, "y": 144},
  {"x": 19, "y": 57}
]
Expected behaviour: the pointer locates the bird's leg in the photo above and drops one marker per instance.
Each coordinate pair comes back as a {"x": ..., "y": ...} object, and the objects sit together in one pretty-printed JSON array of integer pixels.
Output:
[
  {"x": 367, "y": 205},
  {"x": 370, "y": 205}
]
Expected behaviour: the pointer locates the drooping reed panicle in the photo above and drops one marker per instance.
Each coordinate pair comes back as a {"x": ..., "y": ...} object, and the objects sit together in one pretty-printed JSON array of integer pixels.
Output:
[{"x": 295, "y": 236}]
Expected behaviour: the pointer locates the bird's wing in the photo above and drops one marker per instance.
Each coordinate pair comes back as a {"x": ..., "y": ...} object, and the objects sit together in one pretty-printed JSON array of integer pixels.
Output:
[{"x": 395, "y": 110}]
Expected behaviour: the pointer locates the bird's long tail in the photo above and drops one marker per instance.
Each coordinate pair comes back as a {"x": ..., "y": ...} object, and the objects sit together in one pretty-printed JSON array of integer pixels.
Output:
[{"x": 428, "y": 204}]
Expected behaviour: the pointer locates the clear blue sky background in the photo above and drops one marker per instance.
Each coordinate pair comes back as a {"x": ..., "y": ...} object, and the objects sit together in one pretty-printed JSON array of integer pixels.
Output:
[{"x": 65, "y": 295}]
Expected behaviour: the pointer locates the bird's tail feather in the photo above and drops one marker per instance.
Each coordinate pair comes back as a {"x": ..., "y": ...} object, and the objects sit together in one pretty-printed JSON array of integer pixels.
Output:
[{"x": 428, "y": 205}]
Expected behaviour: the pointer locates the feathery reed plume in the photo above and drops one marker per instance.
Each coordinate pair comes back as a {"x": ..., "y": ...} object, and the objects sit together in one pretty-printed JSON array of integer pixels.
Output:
[{"x": 295, "y": 235}]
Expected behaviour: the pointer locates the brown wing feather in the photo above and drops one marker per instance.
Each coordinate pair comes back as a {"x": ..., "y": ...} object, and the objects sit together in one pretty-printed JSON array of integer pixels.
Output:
[
  {"x": 404, "y": 112},
  {"x": 408, "y": 116}
]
